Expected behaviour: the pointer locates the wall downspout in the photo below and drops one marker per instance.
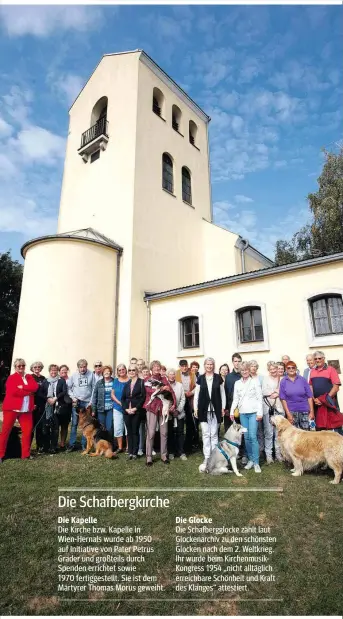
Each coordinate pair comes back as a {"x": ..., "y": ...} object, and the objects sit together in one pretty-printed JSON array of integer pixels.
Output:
[
  {"x": 243, "y": 249},
  {"x": 116, "y": 312},
  {"x": 147, "y": 349}
]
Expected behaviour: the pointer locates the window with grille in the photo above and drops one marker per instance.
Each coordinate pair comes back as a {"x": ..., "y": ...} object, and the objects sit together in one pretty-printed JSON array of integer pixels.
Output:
[
  {"x": 193, "y": 129},
  {"x": 250, "y": 325},
  {"x": 155, "y": 107},
  {"x": 190, "y": 332},
  {"x": 327, "y": 315},
  {"x": 186, "y": 186},
  {"x": 167, "y": 173}
]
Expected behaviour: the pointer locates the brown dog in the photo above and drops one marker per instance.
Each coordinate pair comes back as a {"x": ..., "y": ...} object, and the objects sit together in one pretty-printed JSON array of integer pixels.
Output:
[
  {"x": 95, "y": 434},
  {"x": 307, "y": 450}
]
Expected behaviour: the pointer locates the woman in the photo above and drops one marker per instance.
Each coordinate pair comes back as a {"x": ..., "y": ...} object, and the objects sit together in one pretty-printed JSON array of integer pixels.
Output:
[
  {"x": 153, "y": 414},
  {"x": 163, "y": 370},
  {"x": 247, "y": 397},
  {"x": 38, "y": 411},
  {"x": 133, "y": 398},
  {"x": 253, "y": 371},
  {"x": 140, "y": 366},
  {"x": 53, "y": 390},
  {"x": 223, "y": 372},
  {"x": 18, "y": 404},
  {"x": 281, "y": 369},
  {"x": 296, "y": 398},
  {"x": 145, "y": 375},
  {"x": 194, "y": 367},
  {"x": 65, "y": 405},
  {"x": 270, "y": 392},
  {"x": 116, "y": 395},
  {"x": 102, "y": 403},
  {"x": 209, "y": 407}
]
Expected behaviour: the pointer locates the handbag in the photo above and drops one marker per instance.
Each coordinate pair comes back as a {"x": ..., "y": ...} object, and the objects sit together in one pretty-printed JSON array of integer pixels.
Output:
[{"x": 271, "y": 407}]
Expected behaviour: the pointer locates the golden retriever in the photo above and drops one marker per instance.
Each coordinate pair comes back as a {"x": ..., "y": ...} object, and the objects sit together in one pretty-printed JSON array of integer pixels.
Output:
[{"x": 307, "y": 450}]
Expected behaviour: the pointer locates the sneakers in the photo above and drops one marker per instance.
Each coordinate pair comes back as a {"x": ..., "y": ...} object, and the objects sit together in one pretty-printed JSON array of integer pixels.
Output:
[
  {"x": 153, "y": 453},
  {"x": 249, "y": 465},
  {"x": 71, "y": 448},
  {"x": 203, "y": 466},
  {"x": 183, "y": 457},
  {"x": 269, "y": 460},
  {"x": 140, "y": 452},
  {"x": 134, "y": 457},
  {"x": 171, "y": 456},
  {"x": 129, "y": 457},
  {"x": 166, "y": 461},
  {"x": 257, "y": 468},
  {"x": 244, "y": 460}
]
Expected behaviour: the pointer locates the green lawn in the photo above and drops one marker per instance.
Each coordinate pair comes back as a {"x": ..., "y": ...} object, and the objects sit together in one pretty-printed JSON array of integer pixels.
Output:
[{"x": 306, "y": 518}]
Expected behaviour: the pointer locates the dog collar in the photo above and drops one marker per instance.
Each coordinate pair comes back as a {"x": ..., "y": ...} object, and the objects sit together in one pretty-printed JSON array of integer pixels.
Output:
[
  {"x": 226, "y": 456},
  {"x": 231, "y": 442}
]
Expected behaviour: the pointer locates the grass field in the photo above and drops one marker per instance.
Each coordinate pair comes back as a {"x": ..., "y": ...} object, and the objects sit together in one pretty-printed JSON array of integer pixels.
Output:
[{"x": 306, "y": 517}]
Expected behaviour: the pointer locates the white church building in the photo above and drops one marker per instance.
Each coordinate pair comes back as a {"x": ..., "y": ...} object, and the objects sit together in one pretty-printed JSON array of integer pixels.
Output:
[{"x": 137, "y": 266}]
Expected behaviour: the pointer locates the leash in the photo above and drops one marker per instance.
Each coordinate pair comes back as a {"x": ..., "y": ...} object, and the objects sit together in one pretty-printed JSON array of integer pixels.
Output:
[{"x": 223, "y": 452}]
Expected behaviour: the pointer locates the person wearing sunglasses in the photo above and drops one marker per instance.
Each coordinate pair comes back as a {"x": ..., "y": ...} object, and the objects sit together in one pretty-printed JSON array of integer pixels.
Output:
[
  {"x": 98, "y": 370},
  {"x": 36, "y": 368},
  {"x": 296, "y": 397},
  {"x": 133, "y": 398},
  {"x": 18, "y": 404}
]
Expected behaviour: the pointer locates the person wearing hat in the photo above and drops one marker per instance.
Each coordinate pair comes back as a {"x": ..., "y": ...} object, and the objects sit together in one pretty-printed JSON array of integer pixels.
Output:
[{"x": 188, "y": 380}]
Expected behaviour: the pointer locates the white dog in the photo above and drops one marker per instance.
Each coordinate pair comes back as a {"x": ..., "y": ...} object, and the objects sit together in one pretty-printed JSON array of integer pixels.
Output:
[
  {"x": 226, "y": 451},
  {"x": 165, "y": 397}
]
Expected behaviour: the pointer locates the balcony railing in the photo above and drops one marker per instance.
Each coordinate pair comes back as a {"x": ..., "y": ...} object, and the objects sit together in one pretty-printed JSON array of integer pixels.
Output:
[{"x": 100, "y": 128}]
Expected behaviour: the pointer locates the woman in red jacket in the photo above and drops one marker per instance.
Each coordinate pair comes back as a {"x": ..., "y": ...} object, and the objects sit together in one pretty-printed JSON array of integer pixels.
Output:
[{"x": 18, "y": 404}]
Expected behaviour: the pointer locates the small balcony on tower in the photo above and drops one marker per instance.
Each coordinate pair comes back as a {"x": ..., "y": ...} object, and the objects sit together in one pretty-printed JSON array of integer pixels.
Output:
[{"x": 95, "y": 139}]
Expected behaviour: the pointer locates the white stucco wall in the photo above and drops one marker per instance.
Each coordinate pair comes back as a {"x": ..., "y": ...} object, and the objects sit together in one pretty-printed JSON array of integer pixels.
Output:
[
  {"x": 67, "y": 307},
  {"x": 287, "y": 328}
]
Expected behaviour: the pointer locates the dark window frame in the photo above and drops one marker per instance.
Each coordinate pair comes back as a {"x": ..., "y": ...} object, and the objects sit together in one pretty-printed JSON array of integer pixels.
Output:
[
  {"x": 192, "y": 324},
  {"x": 328, "y": 317},
  {"x": 167, "y": 173},
  {"x": 253, "y": 325},
  {"x": 186, "y": 185}
]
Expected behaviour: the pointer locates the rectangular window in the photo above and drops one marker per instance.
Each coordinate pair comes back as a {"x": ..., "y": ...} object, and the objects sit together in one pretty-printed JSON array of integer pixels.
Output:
[
  {"x": 95, "y": 156},
  {"x": 250, "y": 325},
  {"x": 327, "y": 315},
  {"x": 190, "y": 332}
]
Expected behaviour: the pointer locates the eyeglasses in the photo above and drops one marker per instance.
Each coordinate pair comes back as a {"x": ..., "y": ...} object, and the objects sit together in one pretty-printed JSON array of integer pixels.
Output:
[
  {"x": 132, "y": 369},
  {"x": 318, "y": 358},
  {"x": 21, "y": 366},
  {"x": 98, "y": 365},
  {"x": 291, "y": 367}
]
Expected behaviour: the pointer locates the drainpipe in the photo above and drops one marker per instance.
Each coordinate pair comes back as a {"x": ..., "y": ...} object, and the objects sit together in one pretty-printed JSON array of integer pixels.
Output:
[
  {"x": 147, "y": 349},
  {"x": 116, "y": 311},
  {"x": 244, "y": 246}
]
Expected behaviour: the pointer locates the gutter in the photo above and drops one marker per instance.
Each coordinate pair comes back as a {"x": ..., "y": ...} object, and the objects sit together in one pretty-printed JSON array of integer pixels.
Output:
[
  {"x": 242, "y": 277},
  {"x": 116, "y": 312},
  {"x": 147, "y": 348}
]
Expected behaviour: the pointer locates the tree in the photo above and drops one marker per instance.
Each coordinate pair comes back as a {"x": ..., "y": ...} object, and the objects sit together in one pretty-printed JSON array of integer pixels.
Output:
[
  {"x": 324, "y": 235},
  {"x": 11, "y": 273}
]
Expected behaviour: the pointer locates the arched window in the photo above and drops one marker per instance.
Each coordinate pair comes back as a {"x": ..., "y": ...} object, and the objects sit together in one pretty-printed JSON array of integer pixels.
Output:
[
  {"x": 99, "y": 110},
  {"x": 158, "y": 102},
  {"x": 193, "y": 130},
  {"x": 250, "y": 324},
  {"x": 189, "y": 331},
  {"x": 167, "y": 173},
  {"x": 327, "y": 314},
  {"x": 186, "y": 185},
  {"x": 176, "y": 118}
]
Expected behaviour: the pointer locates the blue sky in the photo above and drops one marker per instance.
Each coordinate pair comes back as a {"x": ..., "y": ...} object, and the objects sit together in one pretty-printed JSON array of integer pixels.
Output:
[{"x": 269, "y": 77}]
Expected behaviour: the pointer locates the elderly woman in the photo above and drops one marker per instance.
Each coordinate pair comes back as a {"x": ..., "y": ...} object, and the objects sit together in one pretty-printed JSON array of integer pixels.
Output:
[
  {"x": 281, "y": 369},
  {"x": 247, "y": 397},
  {"x": 38, "y": 411},
  {"x": 176, "y": 430},
  {"x": 54, "y": 389},
  {"x": 154, "y": 412},
  {"x": 254, "y": 371},
  {"x": 296, "y": 398},
  {"x": 102, "y": 403},
  {"x": 18, "y": 404},
  {"x": 270, "y": 392},
  {"x": 64, "y": 405},
  {"x": 133, "y": 398},
  {"x": 116, "y": 395}
]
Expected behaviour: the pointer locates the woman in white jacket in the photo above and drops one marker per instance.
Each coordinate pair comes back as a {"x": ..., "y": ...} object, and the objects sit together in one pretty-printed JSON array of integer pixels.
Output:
[{"x": 247, "y": 397}]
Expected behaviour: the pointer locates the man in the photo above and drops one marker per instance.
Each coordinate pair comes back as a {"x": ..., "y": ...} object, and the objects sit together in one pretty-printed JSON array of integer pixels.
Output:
[
  {"x": 310, "y": 364},
  {"x": 229, "y": 387},
  {"x": 176, "y": 436},
  {"x": 324, "y": 380},
  {"x": 188, "y": 379},
  {"x": 209, "y": 408},
  {"x": 97, "y": 371},
  {"x": 133, "y": 361},
  {"x": 140, "y": 366},
  {"x": 80, "y": 389}
]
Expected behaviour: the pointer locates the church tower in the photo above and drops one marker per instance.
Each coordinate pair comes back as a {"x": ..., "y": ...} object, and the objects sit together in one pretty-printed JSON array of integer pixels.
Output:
[{"x": 135, "y": 216}]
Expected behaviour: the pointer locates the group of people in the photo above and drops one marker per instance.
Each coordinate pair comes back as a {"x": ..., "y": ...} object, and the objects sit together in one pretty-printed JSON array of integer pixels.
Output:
[{"x": 46, "y": 406}]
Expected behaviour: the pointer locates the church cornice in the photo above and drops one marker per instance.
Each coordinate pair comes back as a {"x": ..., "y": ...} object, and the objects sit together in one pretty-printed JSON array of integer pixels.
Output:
[{"x": 88, "y": 235}]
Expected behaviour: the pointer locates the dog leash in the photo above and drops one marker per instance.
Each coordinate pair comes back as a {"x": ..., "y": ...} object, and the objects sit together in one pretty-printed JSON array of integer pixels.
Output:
[{"x": 225, "y": 440}]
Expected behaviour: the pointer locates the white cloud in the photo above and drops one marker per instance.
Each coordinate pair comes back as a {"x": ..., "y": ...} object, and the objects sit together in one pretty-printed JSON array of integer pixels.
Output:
[
  {"x": 242, "y": 199},
  {"x": 42, "y": 21},
  {"x": 36, "y": 144},
  {"x": 68, "y": 85},
  {"x": 23, "y": 216},
  {"x": 17, "y": 104},
  {"x": 5, "y": 128}
]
